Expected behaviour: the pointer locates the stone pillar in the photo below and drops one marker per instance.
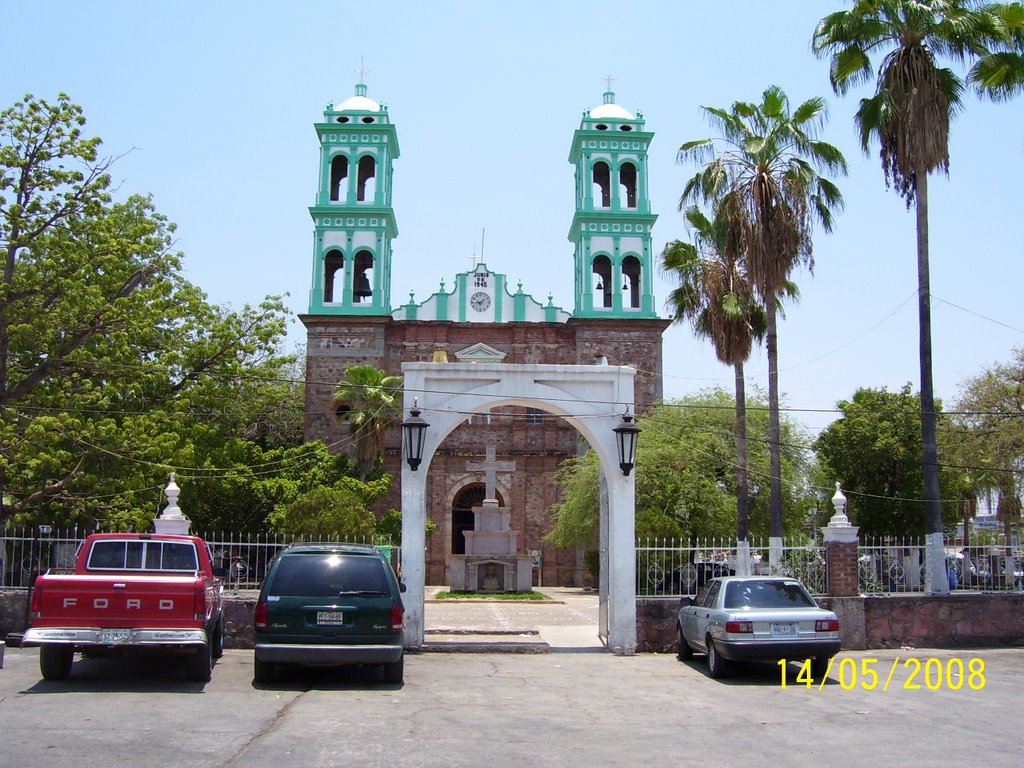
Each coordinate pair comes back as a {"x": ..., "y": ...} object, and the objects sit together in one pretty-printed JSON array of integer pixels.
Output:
[
  {"x": 841, "y": 550},
  {"x": 414, "y": 544},
  {"x": 172, "y": 520}
]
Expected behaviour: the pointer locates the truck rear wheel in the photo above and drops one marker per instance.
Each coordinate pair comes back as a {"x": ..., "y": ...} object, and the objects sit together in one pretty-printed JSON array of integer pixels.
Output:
[
  {"x": 55, "y": 661},
  {"x": 218, "y": 639},
  {"x": 199, "y": 665}
]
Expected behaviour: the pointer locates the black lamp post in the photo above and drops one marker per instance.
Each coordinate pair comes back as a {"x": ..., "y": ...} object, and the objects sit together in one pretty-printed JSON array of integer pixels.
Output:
[
  {"x": 413, "y": 431},
  {"x": 625, "y": 435}
]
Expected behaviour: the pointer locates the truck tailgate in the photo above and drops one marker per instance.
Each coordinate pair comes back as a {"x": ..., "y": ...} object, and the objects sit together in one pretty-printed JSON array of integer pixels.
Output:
[{"x": 107, "y": 600}]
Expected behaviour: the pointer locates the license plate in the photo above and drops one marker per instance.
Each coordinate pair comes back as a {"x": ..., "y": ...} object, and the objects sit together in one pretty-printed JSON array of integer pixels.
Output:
[
  {"x": 115, "y": 636},
  {"x": 330, "y": 617},
  {"x": 787, "y": 629}
]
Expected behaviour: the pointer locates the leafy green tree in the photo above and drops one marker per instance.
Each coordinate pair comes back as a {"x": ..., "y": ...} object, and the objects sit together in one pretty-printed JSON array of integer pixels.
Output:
[
  {"x": 909, "y": 115},
  {"x": 576, "y": 517},
  {"x": 339, "y": 510},
  {"x": 389, "y": 526},
  {"x": 113, "y": 369},
  {"x": 237, "y": 487},
  {"x": 874, "y": 450},
  {"x": 765, "y": 168},
  {"x": 327, "y": 512},
  {"x": 686, "y": 475},
  {"x": 715, "y": 296},
  {"x": 989, "y": 423},
  {"x": 370, "y": 400}
]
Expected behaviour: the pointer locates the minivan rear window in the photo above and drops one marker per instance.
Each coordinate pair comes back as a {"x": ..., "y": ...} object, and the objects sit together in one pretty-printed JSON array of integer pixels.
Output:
[{"x": 327, "y": 575}]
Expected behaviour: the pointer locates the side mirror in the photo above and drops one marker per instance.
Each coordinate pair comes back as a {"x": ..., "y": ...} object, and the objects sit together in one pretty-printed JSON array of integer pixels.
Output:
[
  {"x": 685, "y": 601},
  {"x": 401, "y": 586}
]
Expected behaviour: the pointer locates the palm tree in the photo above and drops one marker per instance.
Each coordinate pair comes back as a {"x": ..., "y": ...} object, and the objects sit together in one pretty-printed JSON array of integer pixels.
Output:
[
  {"x": 370, "y": 400},
  {"x": 909, "y": 115},
  {"x": 766, "y": 164},
  {"x": 715, "y": 296}
]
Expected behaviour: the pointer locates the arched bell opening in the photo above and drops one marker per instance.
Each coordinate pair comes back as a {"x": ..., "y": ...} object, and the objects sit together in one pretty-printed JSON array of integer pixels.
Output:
[
  {"x": 602, "y": 276},
  {"x": 362, "y": 277},
  {"x": 627, "y": 185},
  {"x": 601, "y": 179},
  {"x": 631, "y": 282},
  {"x": 339, "y": 178},
  {"x": 366, "y": 181},
  {"x": 334, "y": 263}
]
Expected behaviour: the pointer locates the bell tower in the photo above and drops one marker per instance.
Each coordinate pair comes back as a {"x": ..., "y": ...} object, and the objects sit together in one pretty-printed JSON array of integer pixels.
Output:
[
  {"x": 353, "y": 218},
  {"x": 611, "y": 228}
]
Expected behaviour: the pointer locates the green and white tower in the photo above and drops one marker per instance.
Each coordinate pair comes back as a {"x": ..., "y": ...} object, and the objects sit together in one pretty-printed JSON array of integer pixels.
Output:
[
  {"x": 611, "y": 228},
  {"x": 353, "y": 218}
]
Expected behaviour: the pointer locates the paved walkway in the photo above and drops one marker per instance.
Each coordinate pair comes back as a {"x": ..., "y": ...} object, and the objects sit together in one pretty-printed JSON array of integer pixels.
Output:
[{"x": 565, "y": 623}]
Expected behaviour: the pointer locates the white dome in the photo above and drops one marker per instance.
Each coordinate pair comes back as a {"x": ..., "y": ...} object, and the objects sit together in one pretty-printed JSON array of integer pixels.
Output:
[
  {"x": 611, "y": 111},
  {"x": 358, "y": 104}
]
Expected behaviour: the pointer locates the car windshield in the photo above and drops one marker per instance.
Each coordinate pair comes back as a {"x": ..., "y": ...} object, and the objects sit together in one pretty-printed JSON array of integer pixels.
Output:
[
  {"x": 766, "y": 594},
  {"x": 327, "y": 575}
]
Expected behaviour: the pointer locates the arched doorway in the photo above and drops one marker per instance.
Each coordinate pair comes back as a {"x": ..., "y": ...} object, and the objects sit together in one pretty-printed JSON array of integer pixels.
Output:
[{"x": 590, "y": 398}]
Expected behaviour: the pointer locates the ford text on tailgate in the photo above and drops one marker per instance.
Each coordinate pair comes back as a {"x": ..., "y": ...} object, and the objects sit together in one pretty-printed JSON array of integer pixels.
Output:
[{"x": 130, "y": 592}]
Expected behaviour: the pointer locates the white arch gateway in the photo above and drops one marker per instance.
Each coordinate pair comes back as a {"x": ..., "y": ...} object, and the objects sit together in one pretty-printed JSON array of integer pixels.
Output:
[{"x": 592, "y": 398}]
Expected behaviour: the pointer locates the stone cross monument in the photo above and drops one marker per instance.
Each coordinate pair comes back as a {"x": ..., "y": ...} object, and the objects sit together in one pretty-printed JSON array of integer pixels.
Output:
[{"x": 492, "y": 562}]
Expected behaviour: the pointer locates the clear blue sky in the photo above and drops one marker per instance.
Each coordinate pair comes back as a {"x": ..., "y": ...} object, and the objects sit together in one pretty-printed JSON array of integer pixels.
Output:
[{"x": 214, "y": 102}]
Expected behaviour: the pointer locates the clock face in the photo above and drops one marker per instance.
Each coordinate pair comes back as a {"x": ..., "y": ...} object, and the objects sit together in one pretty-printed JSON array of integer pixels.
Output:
[{"x": 480, "y": 301}]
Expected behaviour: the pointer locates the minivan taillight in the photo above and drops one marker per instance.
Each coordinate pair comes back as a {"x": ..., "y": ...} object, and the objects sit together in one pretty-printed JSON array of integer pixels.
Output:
[
  {"x": 397, "y": 616},
  {"x": 261, "y": 617}
]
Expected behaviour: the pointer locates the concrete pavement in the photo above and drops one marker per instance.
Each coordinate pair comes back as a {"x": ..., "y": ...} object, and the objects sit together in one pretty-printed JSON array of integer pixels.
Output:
[
  {"x": 507, "y": 710},
  {"x": 566, "y": 622},
  {"x": 571, "y": 706}
]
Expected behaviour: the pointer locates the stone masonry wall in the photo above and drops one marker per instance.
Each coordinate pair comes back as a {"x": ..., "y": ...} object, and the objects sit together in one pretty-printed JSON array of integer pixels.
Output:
[{"x": 964, "y": 620}]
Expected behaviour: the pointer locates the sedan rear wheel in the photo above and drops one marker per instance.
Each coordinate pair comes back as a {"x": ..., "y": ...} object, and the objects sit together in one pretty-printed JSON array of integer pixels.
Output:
[
  {"x": 819, "y": 667},
  {"x": 683, "y": 650},
  {"x": 716, "y": 664}
]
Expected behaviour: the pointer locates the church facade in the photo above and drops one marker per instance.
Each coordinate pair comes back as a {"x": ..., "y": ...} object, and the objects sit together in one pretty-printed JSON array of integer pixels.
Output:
[{"x": 481, "y": 318}]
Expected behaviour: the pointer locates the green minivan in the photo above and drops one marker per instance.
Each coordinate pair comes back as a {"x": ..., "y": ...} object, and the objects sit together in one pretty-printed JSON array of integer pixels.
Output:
[{"x": 325, "y": 605}]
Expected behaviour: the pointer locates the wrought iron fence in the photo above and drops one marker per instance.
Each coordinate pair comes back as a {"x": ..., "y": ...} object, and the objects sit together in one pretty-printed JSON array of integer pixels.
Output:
[
  {"x": 240, "y": 559},
  {"x": 893, "y": 565},
  {"x": 678, "y": 567}
]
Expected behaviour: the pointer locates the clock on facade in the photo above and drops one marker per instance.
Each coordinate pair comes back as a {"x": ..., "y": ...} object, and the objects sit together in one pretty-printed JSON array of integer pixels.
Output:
[{"x": 480, "y": 301}]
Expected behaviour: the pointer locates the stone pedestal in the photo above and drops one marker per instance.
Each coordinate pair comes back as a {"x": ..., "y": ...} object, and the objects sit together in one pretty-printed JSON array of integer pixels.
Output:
[
  {"x": 491, "y": 573},
  {"x": 491, "y": 562},
  {"x": 841, "y": 550},
  {"x": 172, "y": 519}
]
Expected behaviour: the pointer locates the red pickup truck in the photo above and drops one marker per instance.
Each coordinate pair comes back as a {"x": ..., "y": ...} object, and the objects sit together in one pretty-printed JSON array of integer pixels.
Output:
[{"x": 130, "y": 591}]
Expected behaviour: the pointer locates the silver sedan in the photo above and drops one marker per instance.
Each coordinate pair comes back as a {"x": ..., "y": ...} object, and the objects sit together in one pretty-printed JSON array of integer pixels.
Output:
[{"x": 760, "y": 618}]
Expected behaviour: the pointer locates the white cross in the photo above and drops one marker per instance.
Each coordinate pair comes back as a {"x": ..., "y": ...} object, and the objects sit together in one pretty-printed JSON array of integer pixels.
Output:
[{"x": 490, "y": 468}]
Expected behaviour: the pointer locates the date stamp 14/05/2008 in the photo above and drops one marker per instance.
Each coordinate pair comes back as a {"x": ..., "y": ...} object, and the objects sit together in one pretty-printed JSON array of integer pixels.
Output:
[{"x": 910, "y": 673}]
